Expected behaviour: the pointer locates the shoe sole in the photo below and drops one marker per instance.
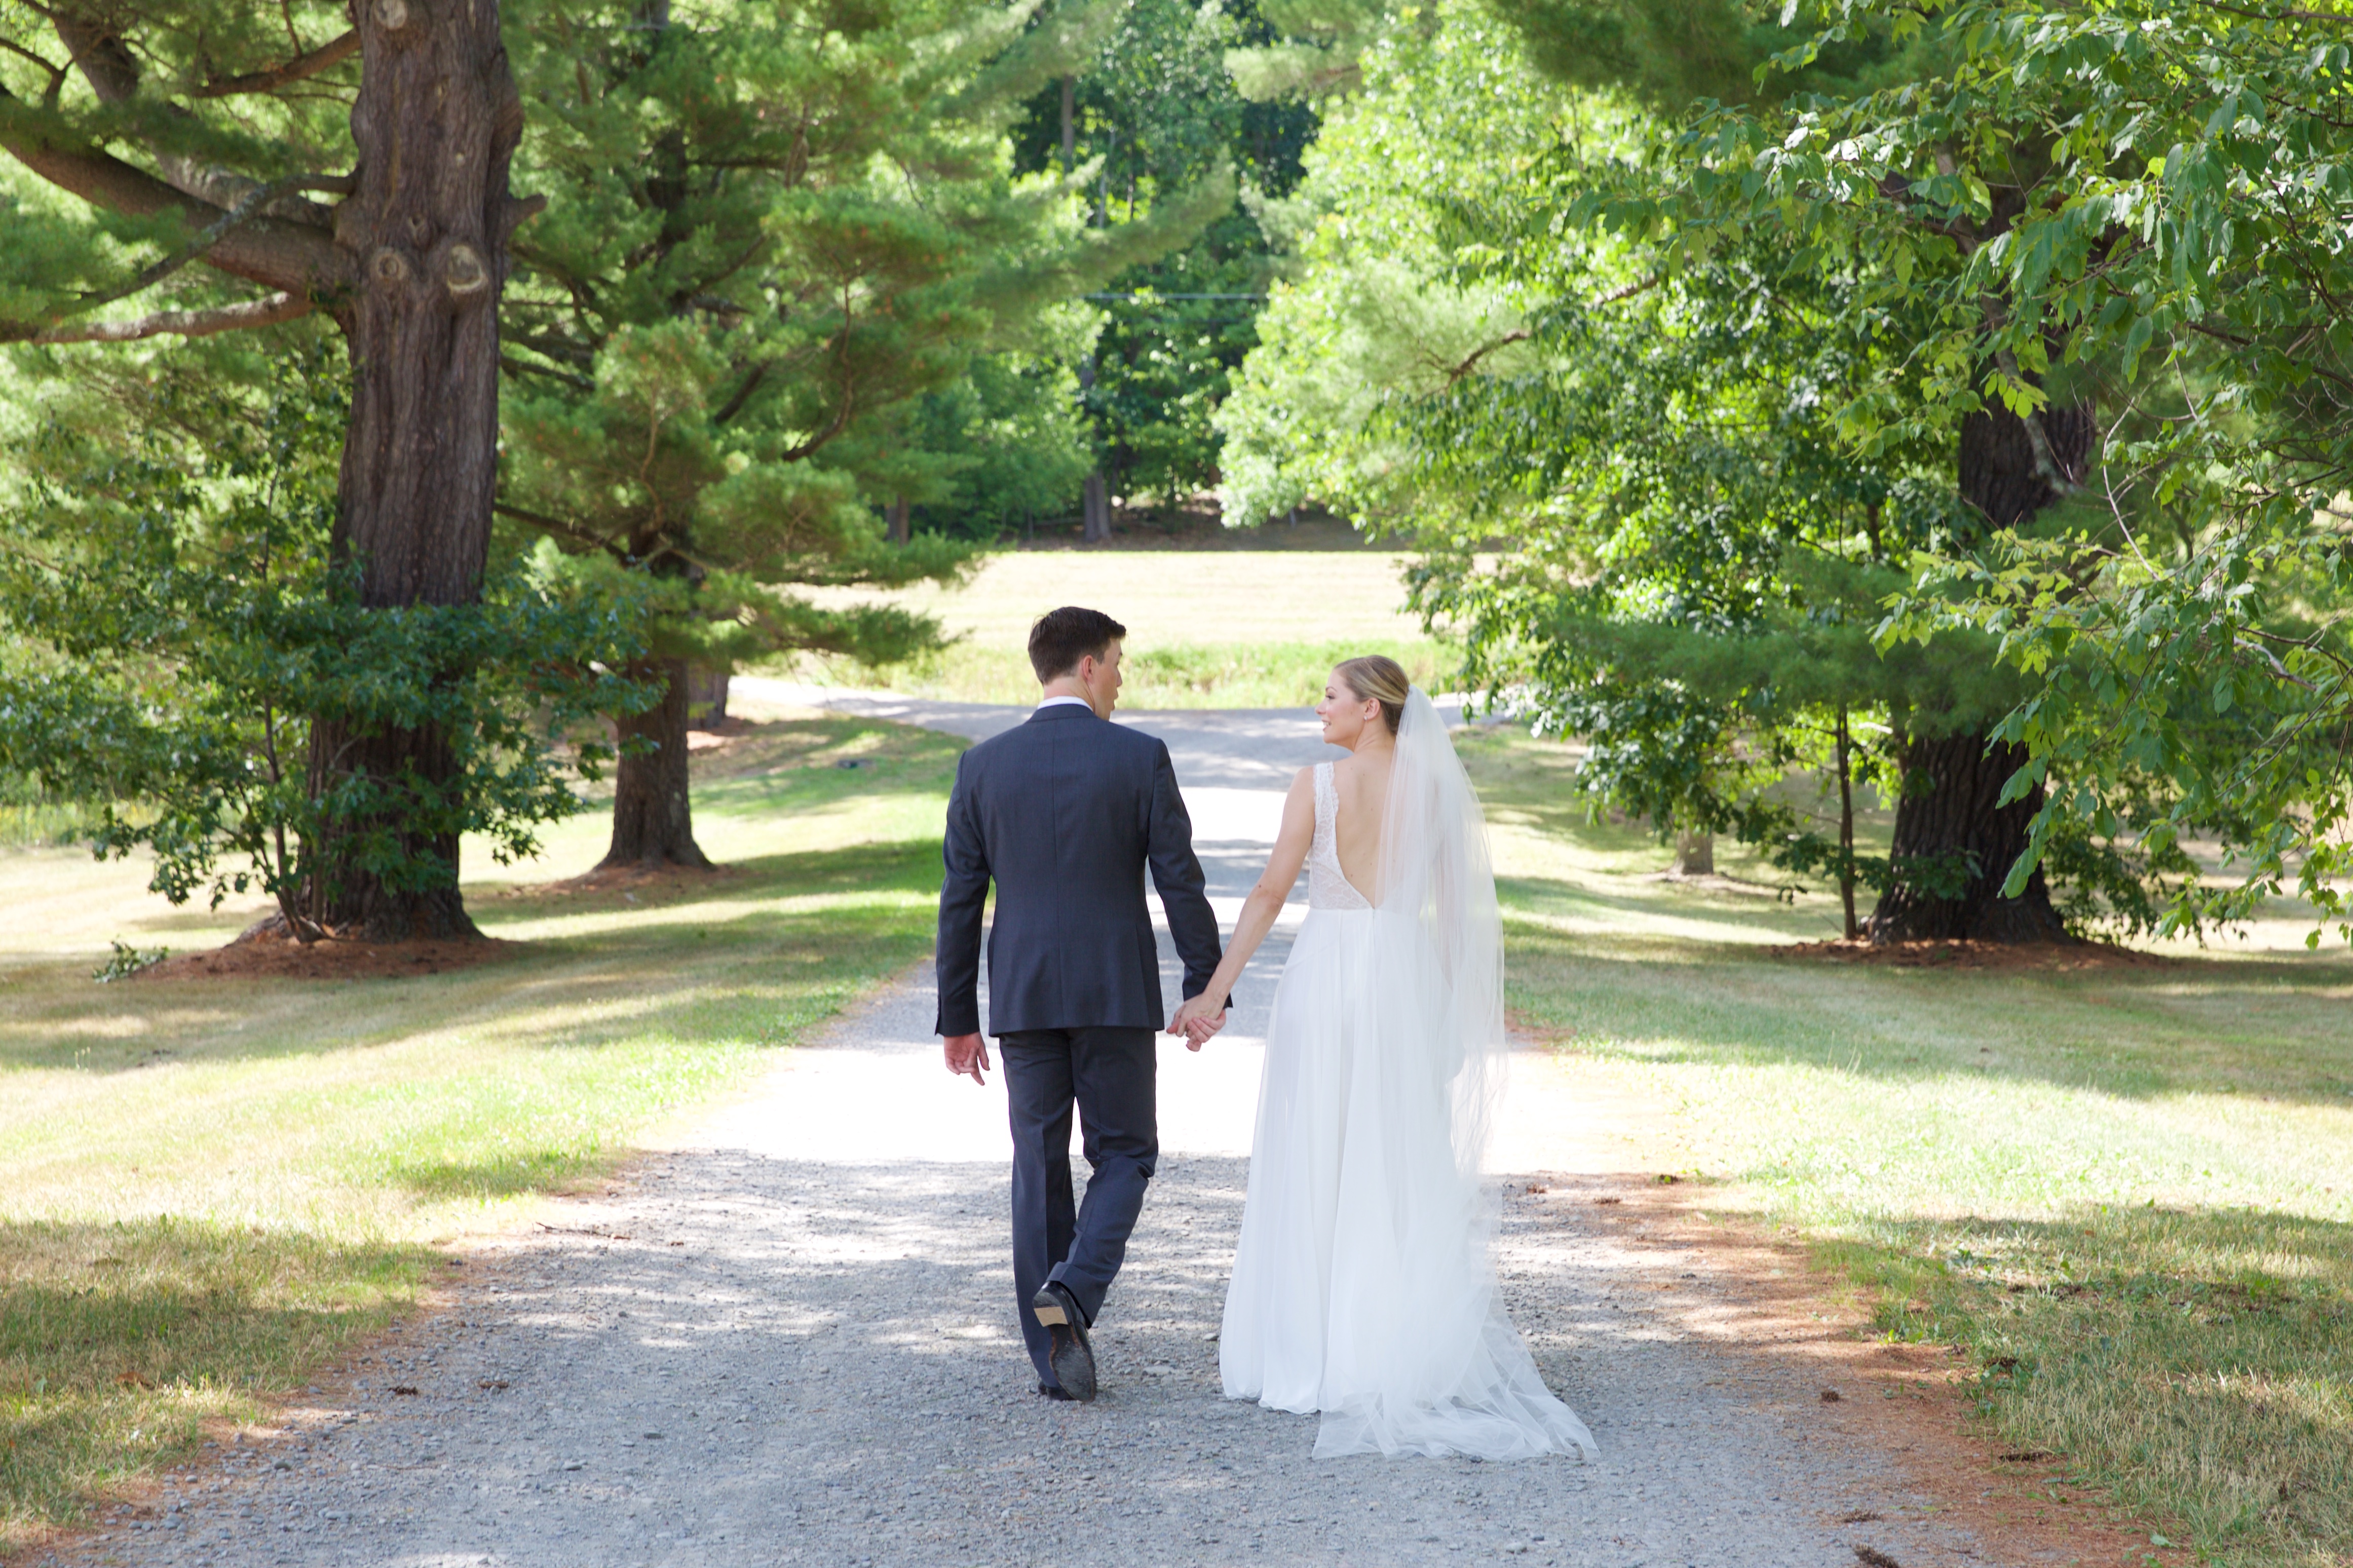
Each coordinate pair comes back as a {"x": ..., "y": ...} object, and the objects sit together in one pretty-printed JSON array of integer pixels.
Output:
[
  {"x": 1072, "y": 1357},
  {"x": 1074, "y": 1367}
]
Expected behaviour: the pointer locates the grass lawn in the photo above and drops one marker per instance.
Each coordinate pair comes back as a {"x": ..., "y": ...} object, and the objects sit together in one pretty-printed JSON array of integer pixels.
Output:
[
  {"x": 2126, "y": 1191},
  {"x": 1206, "y": 628},
  {"x": 208, "y": 1186}
]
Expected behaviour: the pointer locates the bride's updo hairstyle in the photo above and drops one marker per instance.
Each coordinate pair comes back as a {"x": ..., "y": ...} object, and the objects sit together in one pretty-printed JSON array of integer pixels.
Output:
[{"x": 1377, "y": 677}]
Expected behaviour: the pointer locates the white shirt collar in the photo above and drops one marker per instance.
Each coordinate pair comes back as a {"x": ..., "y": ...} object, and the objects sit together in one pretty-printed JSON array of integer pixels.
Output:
[{"x": 1058, "y": 701}]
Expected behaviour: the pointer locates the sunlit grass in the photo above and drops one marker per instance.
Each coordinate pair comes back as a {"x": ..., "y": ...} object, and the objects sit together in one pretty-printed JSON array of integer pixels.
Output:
[
  {"x": 1206, "y": 629},
  {"x": 206, "y": 1187},
  {"x": 2126, "y": 1191},
  {"x": 1241, "y": 675}
]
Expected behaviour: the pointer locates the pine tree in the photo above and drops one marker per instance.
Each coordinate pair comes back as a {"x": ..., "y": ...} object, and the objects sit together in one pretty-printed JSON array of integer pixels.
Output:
[
  {"x": 204, "y": 132},
  {"x": 758, "y": 259},
  {"x": 755, "y": 248}
]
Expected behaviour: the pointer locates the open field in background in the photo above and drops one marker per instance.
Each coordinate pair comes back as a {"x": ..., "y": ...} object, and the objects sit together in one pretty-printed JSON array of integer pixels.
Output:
[
  {"x": 207, "y": 1187},
  {"x": 1206, "y": 628},
  {"x": 2126, "y": 1191}
]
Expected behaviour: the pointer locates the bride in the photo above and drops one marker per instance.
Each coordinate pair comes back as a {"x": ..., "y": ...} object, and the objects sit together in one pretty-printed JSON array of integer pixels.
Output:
[{"x": 1364, "y": 1286}]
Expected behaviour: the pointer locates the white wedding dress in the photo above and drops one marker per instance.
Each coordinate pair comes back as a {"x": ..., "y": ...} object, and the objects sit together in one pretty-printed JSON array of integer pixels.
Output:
[{"x": 1363, "y": 1285}]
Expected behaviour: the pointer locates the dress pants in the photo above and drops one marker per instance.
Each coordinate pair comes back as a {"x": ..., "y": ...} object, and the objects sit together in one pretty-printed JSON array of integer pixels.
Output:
[{"x": 1109, "y": 1074}]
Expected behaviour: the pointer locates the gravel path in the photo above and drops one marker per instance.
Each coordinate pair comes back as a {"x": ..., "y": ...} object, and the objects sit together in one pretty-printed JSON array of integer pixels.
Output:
[{"x": 786, "y": 1338}]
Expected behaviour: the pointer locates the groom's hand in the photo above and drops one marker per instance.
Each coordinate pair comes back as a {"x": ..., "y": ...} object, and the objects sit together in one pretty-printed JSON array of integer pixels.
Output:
[
  {"x": 1196, "y": 1020},
  {"x": 967, "y": 1056}
]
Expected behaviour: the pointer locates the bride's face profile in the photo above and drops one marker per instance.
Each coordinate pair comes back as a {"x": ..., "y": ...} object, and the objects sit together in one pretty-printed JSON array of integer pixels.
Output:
[{"x": 1346, "y": 715}]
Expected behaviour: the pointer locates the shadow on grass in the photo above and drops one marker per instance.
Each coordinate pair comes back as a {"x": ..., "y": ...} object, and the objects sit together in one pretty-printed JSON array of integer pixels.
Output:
[
  {"x": 687, "y": 959},
  {"x": 119, "y": 1341},
  {"x": 2197, "y": 1361},
  {"x": 2193, "y": 1025}
]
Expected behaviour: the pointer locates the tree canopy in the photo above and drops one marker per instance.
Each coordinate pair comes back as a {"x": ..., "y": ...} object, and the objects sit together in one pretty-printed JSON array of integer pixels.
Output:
[{"x": 1701, "y": 374}]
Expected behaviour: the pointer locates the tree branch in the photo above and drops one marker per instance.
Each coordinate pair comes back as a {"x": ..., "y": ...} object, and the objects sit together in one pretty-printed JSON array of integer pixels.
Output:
[
  {"x": 1516, "y": 335},
  {"x": 328, "y": 53},
  {"x": 1628, "y": 292},
  {"x": 155, "y": 272},
  {"x": 263, "y": 312},
  {"x": 524, "y": 367},
  {"x": 563, "y": 529},
  {"x": 265, "y": 251}
]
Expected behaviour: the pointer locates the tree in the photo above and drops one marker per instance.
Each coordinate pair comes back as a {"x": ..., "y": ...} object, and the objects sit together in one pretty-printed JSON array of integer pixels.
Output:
[
  {"x": 198, "y": 131},
  {"x": 759, "y": 258},
  {"x": 2130, "y": 208},
  {"x": 182, "y": 631},
  {"x": 1696, "y": 557},
  {"x": 1810, "y": 202},
  {"x": 1151, "y": 114}
]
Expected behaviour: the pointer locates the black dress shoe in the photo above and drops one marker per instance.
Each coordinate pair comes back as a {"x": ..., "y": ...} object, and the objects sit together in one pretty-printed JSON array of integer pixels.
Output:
[
  {"x": 1073, "y": 1359},
  {"x": 1051, "y": 1392}
]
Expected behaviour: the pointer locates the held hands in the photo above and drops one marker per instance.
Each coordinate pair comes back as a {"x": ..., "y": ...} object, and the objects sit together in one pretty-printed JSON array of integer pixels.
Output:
[
  {"x": 967, "y": 1056},
  {"x": 1196, "y": 1020}
]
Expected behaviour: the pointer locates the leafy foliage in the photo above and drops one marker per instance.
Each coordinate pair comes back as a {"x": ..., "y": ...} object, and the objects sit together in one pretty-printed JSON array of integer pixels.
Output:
[
  {"x": 1155, "y": 113},
  {"x": 2140, "y": 203},
  {"x": 758, "y": 262},
  {"x": 182, "y": 624}
]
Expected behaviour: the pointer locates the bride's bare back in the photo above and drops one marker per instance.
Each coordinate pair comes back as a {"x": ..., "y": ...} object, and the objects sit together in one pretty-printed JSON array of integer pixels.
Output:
[{"x": 1361, "y": 780}]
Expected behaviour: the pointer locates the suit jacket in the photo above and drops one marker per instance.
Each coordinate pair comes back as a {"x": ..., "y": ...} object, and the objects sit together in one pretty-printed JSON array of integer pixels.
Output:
[{"x": 1064, "y": 813}]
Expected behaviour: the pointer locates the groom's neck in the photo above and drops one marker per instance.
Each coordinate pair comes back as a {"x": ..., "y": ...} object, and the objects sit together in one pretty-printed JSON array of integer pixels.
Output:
[{"x": 1070, "y": 686}]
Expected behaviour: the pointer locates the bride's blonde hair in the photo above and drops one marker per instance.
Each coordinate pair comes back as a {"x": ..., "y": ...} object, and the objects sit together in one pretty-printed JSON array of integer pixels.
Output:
[{"x": 1377, "y": 677}]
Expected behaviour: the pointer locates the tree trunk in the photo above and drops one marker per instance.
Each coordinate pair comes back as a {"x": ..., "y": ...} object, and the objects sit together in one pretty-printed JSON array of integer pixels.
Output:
[
  {"x": 1950, "y": 786},
  {"x": 653, "y": 817},
  {"x": 1695, "y": 855},
  {"x": 706, "y": 697},
  {"x": 897, "y": 515},
  {"x": 436, "y": 123},
  {"x": 1951, "y": 783},
  {"x": 1097, "y": 497},
  {"x": 1846, "y": 821}
]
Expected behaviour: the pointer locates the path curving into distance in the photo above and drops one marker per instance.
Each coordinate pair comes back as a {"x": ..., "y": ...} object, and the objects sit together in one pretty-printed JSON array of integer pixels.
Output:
[{"x": 786, "y": 1338}]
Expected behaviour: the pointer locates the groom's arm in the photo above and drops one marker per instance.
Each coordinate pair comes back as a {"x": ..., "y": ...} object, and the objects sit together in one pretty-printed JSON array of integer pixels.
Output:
[
  {"x": 1176, "y": 873},
  {"x": 964, "y": 894}
]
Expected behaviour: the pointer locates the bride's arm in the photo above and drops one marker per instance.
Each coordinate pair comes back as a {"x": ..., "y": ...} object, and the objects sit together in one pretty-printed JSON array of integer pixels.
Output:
[{"x": 1263, "y": 904}]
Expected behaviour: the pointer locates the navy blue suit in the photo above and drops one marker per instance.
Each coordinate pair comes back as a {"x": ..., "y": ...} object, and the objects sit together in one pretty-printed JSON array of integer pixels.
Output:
[{"x": 1065, "y": 814}]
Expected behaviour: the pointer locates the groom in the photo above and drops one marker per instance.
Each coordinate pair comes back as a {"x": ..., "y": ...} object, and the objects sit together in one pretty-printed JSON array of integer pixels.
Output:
[{"x": 1064, "y": 813}]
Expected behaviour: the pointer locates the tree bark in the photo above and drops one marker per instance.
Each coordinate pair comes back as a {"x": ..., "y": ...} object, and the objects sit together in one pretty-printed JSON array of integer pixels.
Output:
[
  {"x": 1695, "y": 855},
  {"x": 1952, "y": 781},
  {"x": 653, "y": 815},
  {"x": 1951, "y": 784},
  {"x": 706, "y": 689},
  {"x": 1846, "y": 819},
  {"x": 426, "y": 229},
  {"x": 1096, "y": 498}
]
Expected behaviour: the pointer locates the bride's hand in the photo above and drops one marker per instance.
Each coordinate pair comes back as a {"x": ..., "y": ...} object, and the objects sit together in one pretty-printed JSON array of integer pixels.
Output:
[{"x": 1196, "y": 1020}]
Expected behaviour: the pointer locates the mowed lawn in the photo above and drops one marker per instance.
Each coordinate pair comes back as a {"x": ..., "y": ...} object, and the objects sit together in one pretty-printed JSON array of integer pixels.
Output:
[
  {"x": 2124, "y": 1192},
  {"x": 208, "y": 1186},
  {"x": 1207, "y": 628}
]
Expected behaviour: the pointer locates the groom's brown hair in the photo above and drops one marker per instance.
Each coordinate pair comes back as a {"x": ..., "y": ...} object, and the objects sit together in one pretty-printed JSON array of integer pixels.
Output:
[{"x": 1062, "y": 637}]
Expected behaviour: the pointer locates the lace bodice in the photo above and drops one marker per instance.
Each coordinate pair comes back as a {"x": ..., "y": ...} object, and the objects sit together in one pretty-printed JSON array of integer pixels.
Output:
[{"x": 1327, "y": 886}]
